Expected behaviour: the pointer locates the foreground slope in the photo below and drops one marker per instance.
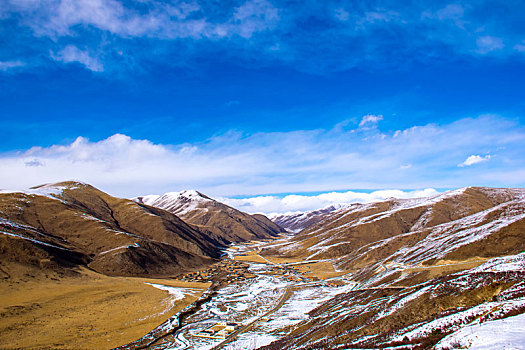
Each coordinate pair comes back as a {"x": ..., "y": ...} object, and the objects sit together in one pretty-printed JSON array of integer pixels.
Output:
[
  {"x": 53, "y": 228},
  {"x": 220, "y": 221},
  {"x": 424, "y": 269},
  {"x": 418, "y": 316}
]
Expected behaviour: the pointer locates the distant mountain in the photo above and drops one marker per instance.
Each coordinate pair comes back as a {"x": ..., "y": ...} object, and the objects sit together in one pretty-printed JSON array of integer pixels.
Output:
[
  {"x": 455, "y": 224},
  {"x": 54, "y": 227},
  {"x": 220, "y": 221},
  {"x": 296, "y": 222}
]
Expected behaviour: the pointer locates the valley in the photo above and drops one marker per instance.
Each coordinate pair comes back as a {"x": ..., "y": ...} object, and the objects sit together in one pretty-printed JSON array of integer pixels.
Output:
[
  {"x": 311, "y": 314},
  {"x": 263, "y": 307},
  {"x": 86, "y": 270}
]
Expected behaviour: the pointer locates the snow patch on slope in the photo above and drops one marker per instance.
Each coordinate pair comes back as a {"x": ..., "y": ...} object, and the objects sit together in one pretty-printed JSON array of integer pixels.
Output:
[
  {"x": 507, "y": 333},
  {"x": 53, "y": 191},
  {"x": 179, "y": 203}
]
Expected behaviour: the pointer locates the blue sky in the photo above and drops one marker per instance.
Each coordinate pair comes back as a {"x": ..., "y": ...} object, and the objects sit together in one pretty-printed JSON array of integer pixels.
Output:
[{"x": 241, "y": 98}]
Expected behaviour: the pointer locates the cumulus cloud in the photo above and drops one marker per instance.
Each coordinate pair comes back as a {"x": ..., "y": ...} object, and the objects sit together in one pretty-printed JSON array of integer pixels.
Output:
[
  {"x": 281, "y": 162},
  {"x": 474, "y": 159},
  {"x": 370, "y": 119},
  {"x": 73, "y": 54},
  {"x": 298, "y": 203}
]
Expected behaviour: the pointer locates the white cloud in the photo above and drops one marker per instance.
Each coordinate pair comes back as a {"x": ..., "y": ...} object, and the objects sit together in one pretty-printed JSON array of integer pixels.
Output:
[
  {"x": 294, "y": 203},
  {"x": 520, "y": 47},
  {"x": 254, "y": 16},
  {"x": 341, "y": 14},
  {"x": 370, "y": 119},
  {"x": 380, "y": 16},
  {"x": 177, "y": 19},
  {"x": 73, "y": 54},
  {"x": 451, "y": 11},
  {"x": 7, "y": 65},
  {"x": 488, "y": 44},
  {"x": 281, "y": 162},
  {"x": 474, "y": 159}
]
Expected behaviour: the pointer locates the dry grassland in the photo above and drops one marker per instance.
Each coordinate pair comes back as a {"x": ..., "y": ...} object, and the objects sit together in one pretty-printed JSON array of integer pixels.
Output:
[
  {"x": 252, "y": 256},
  {"x": 88, "y": 312},
  {"x": 442, "y": 267},
  {"x": 322, "y": 270}
]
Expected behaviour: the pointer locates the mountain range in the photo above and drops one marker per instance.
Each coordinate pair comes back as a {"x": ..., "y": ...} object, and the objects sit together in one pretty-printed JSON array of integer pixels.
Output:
[
  {"x": 421, "y": 269},
  {"x": 52, "y": 228},
  {"x": 219, "y": 221}
]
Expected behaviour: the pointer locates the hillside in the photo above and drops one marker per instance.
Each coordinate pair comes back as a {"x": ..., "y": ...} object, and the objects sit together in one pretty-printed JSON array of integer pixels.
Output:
[
  {"x": 52, "y": 228},
  {"x": 220, "y": 221},
  {"x": 296, "y": 222},
  {"x": 421, "y": 273},
  {"x": 423, "y": 270},
  {"x": 457, "y": 224}
]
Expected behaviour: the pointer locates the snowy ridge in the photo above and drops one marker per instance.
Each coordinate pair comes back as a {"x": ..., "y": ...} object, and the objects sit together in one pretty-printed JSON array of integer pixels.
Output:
[
  {"x": 53, "y": 191},
  {"x": 33, "y": 240},
  {"x": 467, "y": 321},
  {"x": 179, "y": 203},
  {"x": 298, "y": 221},
  {"x": 443, "y": 238},
  {"x": 503, "y": 264}
]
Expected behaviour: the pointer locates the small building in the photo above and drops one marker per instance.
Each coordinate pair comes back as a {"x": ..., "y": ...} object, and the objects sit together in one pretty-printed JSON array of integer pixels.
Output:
[{"x": 220, "y": 330}]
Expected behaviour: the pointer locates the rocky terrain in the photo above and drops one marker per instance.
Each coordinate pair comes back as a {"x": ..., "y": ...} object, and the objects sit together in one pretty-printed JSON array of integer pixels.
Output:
[{"x": 220, "y": 221}]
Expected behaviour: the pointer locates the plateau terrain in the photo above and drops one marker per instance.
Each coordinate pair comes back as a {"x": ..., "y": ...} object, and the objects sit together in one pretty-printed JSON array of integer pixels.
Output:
[{"x": 184, "y": 271}]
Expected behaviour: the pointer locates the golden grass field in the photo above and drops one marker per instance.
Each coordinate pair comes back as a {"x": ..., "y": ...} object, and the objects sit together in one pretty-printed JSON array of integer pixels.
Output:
[
  {"x": 442, "y": 267},
  {"x": 252, "y": 256},
  {"x": 88, "y": 312},
  {"x": 320, "y": 270}
]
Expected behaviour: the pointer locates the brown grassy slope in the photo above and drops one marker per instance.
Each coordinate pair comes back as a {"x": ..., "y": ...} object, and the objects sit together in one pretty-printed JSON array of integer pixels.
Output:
[
  {"x": 86, "y": 226},
  {"x": 301, "y": 221},
  {"x": 220, "y": 221},
  {"x": 356, "y": 232}
]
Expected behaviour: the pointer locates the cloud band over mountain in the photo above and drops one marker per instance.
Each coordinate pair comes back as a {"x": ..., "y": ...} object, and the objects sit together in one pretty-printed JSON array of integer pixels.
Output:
[{"x": 232, "y": 164}]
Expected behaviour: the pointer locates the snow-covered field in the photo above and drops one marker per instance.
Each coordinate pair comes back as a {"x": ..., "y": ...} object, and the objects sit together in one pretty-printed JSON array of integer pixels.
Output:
[
  {"x": 241, "y": 302},
  {"x": 507, "y": 333},
  {"x": 244, "y": 302}
]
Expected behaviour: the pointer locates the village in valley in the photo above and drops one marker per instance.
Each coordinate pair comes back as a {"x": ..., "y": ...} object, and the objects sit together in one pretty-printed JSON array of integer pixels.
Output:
[
  {"x": 252, "y": 291},
  {"x": 230, "y": 270}
]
